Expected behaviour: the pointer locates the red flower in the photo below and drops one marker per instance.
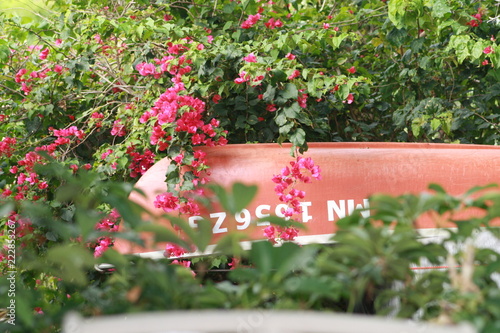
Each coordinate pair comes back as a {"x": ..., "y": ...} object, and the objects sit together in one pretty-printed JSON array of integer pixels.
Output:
[
  {"x": 295, "y": 74},
  {"x": 350, "y": 98},
  {"x": 173, "y": 250},
  {"x": 216, "y": 98},
  {"x": 58, "y": 68},
  {"x": 166, "y": 201},
  {"x": 250, "y": 21},
  {"x": 271, "y": 107},
  {"x": 118, "y": 129},
  {"x": 43, "y": 54},
  {"x": 250, "y": 58},
  {"x": 242, "y": 79},
  {"x": 352, "y": 70},
  {"x": 487, "y": 50},
  {"x": 272, "y": 23}
]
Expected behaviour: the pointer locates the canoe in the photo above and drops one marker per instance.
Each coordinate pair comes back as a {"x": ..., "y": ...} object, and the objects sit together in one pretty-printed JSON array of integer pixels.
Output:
[{"x": 351, "y": 173}]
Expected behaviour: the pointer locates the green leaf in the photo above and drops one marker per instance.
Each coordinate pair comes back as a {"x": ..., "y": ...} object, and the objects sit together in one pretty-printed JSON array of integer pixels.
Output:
[
  {"x": 280, "y": 119},
  {"x": 262, "y": 256},
  {"x": 230, "y": 244},
  {"x": 298, "y": 138},
  {"x": 397, "y": 36},
  {"x": 477, "y": 189},
  {"x": 173, "y": 176},
  {"x": 440, "y": 8},
  {"x": 435, "y": 123},
  {"x": 4, "y": 51},
  {"x": 6, "y": 207},
  {"x": 292, "y": 111},
  {"x": 437, "y": 188},
  {"x": 243, "y": 195},
  {"x": 269, "y": 94},
  {"x": 222, "y": 196},
  {"x": 163, "y": 234},
  {"x": 290, "y": 91},
  {"x": 229, "y": 8},
  {"x": 285, "y": 129},
  {"x": 277, "y": 75},
  {"x": 337, "y": 40},
  {"x": 203, "y": 234},
  {"x": 69, "y": 262}
]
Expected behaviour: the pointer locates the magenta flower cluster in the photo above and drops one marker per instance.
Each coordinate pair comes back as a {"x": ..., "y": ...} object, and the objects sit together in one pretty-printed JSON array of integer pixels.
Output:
[
  {"x": 109, "y": 224},
  {"x": 302, "y": 170}
]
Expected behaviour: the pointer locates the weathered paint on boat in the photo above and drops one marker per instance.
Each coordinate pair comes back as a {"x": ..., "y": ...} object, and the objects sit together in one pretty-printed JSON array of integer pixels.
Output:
[{"x": 351, "y": 172}]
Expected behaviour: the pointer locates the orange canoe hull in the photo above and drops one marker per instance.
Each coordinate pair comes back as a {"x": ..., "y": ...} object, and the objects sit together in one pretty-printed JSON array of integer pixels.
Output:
[{"x": 351, "y": 173}]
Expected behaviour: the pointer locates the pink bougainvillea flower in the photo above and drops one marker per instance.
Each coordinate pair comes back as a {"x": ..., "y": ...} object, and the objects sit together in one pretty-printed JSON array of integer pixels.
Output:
[
  {"x": 485, "y": 62},
  {"x": 58, "y": 42},
  {"x": 326, "y": 26},
  {"x": 273, "y": 23},
  {"x": 295, "y": 74},
  {"x": 146, "y": 69},
  {"x": 234, "y": 263},
  {"x": 178, "y": 159},
  {"x": 118, "y": 129},
  {"x": 140, "y": 162},
  {"x": 58, "y": 68},
  {"x": 106, "y": 154},
  {"x": 242, "y": 79},
  {"x": 477, "y": 19},
  {"x": 216, "y": 98},
  {"x": 7, "y": 147},
  {"x": 352, "y": 70},
  {"x": 173, "y": 250},
  {"x": 250, "y": 58},
  {"x": 271, "y": 107},
  {"x": 20, "y": 74},
  {"x": 184, "y": 263},
  {"x": 350, "y": 98},
  {"x": 289, "y": 234},
  {"x": 97, "y": 115},
  {"x": 43, "y": 54},
  {"x": 290, "y": 56},
  {"x": 288, "y": 177},
  {"x": 166, "y": 201},
  {"x": 302, "y": 99},
  {"x": 278, "y": 23},
  {"x": 488, "y": 50},
  {"x": 473, "y": 23},
  {"x": 258, "y": 78},
  {"x": 25, "y": 88},
  {"x": 269, "y": 233},
  {"x": 250, "y": 21}
]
